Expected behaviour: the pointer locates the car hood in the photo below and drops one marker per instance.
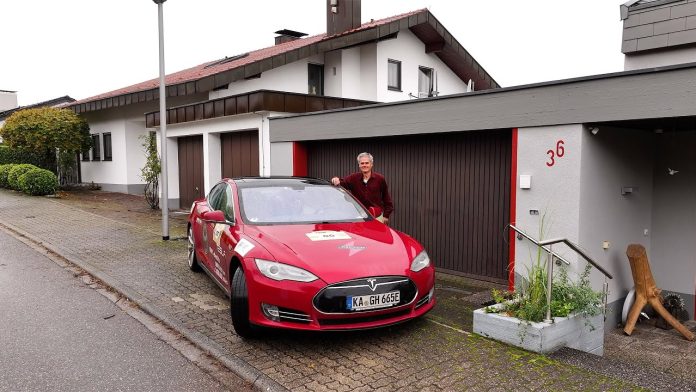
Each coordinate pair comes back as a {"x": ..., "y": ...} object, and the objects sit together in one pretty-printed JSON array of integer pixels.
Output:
[{"x": 339, "y": 251}]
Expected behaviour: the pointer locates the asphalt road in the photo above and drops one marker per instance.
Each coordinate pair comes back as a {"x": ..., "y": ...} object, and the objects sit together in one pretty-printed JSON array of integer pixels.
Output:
[{"x": 58, "y": 334}]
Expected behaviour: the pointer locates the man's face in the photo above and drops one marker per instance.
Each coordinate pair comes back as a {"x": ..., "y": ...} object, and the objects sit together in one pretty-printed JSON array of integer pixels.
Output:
[{"x": 365, "y": 165}]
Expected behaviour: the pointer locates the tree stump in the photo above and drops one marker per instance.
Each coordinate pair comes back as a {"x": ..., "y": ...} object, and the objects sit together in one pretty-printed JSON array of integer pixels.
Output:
[{"x": 647, "y": 292}]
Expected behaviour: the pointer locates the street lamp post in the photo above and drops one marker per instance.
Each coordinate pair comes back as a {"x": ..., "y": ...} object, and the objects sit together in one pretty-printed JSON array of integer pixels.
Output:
[{"x": 163, "y": 124}]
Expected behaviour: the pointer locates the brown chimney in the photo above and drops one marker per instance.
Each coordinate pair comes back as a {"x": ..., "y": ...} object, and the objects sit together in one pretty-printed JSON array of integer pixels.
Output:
[{"x": 342, "y": 15}]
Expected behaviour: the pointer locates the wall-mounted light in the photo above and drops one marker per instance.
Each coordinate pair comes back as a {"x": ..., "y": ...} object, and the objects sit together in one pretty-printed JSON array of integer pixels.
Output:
[
  {"x": 594, "y": 130},
  {"x": 626, "y": 190}
]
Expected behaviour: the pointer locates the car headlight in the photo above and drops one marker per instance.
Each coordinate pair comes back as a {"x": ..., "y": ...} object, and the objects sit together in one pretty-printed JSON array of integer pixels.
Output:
[
  {"x": 279, "y": 271},
  {"x": 421, "y": 261}
]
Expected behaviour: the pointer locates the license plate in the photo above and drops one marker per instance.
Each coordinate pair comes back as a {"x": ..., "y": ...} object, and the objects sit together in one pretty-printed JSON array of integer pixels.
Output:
[{"x": 373, "y": 301}]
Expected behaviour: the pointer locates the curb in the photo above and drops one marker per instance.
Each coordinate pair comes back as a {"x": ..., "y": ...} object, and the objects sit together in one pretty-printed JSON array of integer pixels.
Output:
[{"x": 243, "y": 369}]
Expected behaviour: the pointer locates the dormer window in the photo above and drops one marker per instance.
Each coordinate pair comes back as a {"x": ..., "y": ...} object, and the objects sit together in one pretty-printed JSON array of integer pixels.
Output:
[{"x": 316, "y": 79}]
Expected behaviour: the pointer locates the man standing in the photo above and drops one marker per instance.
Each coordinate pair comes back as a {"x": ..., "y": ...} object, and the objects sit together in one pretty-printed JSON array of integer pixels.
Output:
[{"x": 368, "y": 187}]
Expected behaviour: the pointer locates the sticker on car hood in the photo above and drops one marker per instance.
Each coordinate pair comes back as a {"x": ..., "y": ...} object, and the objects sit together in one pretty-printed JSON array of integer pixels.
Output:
[
  {"x": 243, "y": 247},
  {"x": 326, "y": 235}
]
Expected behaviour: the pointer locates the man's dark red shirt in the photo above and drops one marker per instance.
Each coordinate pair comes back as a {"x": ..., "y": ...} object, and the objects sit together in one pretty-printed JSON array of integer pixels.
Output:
[{"x": 374, "y": 193}]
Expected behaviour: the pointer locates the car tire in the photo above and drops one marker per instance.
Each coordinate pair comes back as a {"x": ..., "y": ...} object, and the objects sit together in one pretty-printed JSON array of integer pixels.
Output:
[
  {"x": 192, "y": 259},
  {"x": 239, "y": 305}
]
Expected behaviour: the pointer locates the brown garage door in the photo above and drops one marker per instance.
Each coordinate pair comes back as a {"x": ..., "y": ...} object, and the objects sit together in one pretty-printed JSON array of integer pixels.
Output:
[
  {"x": 240, "y": 154},
  {"x": 190, "y": 170},
  {"x": 451, "y": 192}
]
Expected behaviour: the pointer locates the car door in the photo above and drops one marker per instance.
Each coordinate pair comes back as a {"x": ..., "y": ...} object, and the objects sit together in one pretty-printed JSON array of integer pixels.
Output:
[
  {"x": 208, "y": 227},
  {"x": 223, "y": 242}
]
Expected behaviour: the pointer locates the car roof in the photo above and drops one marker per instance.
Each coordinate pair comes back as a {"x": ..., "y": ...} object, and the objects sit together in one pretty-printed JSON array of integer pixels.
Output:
[{"x": 253, "y": 182}]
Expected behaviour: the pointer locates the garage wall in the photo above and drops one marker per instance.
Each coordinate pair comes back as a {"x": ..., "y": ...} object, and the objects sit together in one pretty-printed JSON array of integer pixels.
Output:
[
  {"x": 673, "y": 245},
  {"x": 451, "y": 192},
  {"x": 612, "y": 159}
]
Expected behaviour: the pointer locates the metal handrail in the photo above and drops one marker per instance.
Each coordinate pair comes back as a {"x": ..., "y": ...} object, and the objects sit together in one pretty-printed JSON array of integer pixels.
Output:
[
  {"x": 578, "y": 251},
  {"x": 549, "y": 265}
]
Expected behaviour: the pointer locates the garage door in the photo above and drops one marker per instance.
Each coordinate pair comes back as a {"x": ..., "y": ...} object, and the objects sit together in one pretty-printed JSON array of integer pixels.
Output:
[
  {"x": 190, "y": 170},
  {"x": 450, "y": 191},
  {"x": 240, "y": 154}
]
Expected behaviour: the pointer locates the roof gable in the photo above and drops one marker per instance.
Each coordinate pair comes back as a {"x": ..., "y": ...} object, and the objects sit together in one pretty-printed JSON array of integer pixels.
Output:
[{"x": 214, "y": 74}]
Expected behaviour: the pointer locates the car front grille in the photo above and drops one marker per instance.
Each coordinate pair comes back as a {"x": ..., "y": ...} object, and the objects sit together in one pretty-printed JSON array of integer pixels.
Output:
[{"x": 332, "y": 299}]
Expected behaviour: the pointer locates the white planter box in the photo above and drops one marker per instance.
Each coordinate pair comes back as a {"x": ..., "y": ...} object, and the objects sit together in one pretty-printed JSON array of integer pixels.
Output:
[{"x": 578, "y": 332}]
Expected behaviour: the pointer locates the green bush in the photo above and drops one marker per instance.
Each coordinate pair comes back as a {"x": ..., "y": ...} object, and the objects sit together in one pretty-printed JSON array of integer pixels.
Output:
[
  {"x": 15, "y": 172},
  {"x": 38, "y": 182},
  {"x": 11, "y": 155},
  {"x": 4, "y": 171}
]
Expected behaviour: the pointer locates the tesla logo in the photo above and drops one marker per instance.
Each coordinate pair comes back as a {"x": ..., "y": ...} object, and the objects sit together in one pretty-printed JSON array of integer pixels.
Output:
[{"x": 373, "y": 283}]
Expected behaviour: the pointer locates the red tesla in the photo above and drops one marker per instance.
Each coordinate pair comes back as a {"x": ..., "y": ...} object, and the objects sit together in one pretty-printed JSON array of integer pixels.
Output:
[{"x": 301, "y": 253}]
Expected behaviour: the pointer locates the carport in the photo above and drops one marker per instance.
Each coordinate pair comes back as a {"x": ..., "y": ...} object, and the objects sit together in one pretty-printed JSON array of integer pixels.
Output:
[{"x": 597, "y": 150}]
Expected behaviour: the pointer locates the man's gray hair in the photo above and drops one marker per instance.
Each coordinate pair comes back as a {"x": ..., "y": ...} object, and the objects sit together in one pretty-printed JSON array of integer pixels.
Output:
[{"x": 365, "y": 154}]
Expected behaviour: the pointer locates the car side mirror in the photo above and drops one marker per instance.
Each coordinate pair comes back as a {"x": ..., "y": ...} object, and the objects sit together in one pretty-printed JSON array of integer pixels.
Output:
[
  {"x": 375, "y": 211},
  {"x": 214, "y": 217}
]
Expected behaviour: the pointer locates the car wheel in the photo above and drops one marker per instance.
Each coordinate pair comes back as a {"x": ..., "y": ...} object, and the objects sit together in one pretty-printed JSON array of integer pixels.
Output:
[
  {"x": 192, "y": 259},
  {"x": 239, "y": 305}
]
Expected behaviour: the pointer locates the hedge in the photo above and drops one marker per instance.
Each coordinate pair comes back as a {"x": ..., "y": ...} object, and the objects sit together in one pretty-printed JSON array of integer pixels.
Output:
[
  {"x": 4, "y": 171},
  {"x": 15, "y": 172},
  {"x": 38, "y": 182},
  {"x": 10, "y": 155}
]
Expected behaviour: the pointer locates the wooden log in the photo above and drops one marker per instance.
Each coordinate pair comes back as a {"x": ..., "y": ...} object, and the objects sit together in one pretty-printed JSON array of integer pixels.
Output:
[{"x": 647, "y": 292}]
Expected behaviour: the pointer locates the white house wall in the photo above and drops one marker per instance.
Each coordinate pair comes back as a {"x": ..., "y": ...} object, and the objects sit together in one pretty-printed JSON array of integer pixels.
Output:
[
  {"x": 332, "y": 74},
  {"x": 350, "y": 75},
  {"x": 554, "y": 192},
  {"x": 111, "y": 175},
  {"x": 290, "y": 77},
  {"x": 410, "y": 50},
  {"x": 612, "y": 160}
]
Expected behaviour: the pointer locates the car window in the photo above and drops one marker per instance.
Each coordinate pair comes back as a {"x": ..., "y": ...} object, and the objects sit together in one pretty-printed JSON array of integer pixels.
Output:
[
  {"x": 228, "y": 206},
  {"x": 299, "y": 204},
  {"x": 215, "y": 195}
]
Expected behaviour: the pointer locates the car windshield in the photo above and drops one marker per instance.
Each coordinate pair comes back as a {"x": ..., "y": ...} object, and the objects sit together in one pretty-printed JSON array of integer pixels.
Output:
[{"x": 299, "y": 204}]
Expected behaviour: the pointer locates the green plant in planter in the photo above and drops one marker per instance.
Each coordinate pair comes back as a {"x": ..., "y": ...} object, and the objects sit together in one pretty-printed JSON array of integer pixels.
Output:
[{"x": 529, "y": 303}]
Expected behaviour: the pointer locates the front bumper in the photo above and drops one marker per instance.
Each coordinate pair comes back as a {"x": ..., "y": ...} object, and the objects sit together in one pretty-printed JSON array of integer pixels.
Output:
[{"x": 298, "y": 306}]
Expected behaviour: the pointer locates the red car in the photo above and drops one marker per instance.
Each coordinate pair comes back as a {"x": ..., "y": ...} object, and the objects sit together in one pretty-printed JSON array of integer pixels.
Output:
[{"x": 301, "y": 253}]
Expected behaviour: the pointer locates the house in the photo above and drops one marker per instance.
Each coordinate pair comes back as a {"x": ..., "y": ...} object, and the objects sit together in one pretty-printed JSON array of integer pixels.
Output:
[
  {"x": 605, "y": 160},
  {"x": 218, "y": 112}
]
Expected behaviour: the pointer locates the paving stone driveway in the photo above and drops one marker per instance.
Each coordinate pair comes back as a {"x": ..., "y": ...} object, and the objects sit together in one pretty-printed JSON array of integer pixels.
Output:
[{"x": 418, "y": 356}]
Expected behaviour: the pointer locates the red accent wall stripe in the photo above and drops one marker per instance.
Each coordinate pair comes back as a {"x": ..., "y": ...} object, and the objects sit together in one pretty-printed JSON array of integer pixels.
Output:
[
  {"x": 513, "y": 210},
  {"x": 299, "y": 159}
]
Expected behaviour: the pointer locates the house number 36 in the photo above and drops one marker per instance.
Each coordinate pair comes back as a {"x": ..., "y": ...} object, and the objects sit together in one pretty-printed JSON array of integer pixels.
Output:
[{"x": 558, "y": 153}]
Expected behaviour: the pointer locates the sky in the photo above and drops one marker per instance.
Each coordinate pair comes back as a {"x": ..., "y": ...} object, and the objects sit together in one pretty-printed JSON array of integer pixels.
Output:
[{"x": 82, "y": 48}]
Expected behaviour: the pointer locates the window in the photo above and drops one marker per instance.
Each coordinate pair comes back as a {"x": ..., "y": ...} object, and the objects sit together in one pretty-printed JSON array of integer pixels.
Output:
[
  {"x": 215, "y": 196},
  {"x": 316, "y": 79},
  {"x": 96, "y": 148},
  {"x": 394, "y": 75},
  {"x": 425, "y": 82},
  {"x": 107, "y": 146},
  {"x": 85, "y": 155}
]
